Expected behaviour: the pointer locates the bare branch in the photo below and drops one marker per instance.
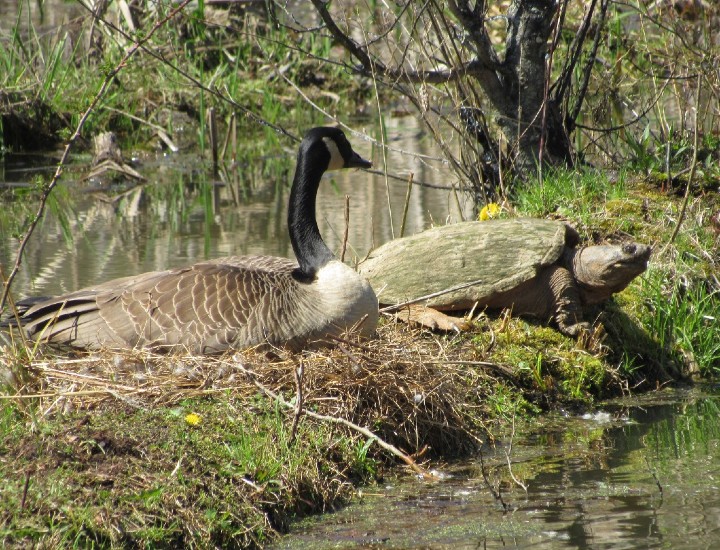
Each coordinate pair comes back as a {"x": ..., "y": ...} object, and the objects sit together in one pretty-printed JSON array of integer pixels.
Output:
[
  {"x": 589, "y": 64},
  {"x": 369, "y": 66},
  {"x": 473, "y": 21},
  {"x": 350, "y": 45}
]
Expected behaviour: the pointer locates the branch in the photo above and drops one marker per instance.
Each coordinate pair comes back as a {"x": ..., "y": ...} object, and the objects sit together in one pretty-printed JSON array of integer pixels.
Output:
[
  {"x": 350, "y": 45},
  {"x": 584, "y": 85},
  {"x": 398, "y": 307},
  {"x": 478, "y": 68},
  {"x": 575, "y": 49},
  {"x": 298, "y": 371},
  {"x": 473, "y": 21}
]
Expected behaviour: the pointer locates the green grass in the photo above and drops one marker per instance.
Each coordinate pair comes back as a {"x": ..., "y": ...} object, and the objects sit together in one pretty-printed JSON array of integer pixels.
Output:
[
  {"x": 565, "y": 193},
  {"x": 684, "y": 318},
  {"x": 132, "y": 477}
]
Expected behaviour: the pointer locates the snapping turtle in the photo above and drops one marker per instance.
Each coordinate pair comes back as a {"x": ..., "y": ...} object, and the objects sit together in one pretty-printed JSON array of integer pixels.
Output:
[{"x": 533, "y": 266}]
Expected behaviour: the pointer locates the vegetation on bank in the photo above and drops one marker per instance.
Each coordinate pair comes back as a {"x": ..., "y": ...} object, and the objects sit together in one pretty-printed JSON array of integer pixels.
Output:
[{"x": 135, "y": 449}]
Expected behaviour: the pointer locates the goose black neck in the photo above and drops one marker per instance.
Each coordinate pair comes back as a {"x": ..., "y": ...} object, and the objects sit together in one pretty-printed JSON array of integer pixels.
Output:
[{"x": 310, "y": 250}]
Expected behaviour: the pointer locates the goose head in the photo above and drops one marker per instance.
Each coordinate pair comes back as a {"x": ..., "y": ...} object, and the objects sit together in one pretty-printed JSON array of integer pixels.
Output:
[
  {"x": 338, "y": 153},
  {"x": 322, "y": 149}
]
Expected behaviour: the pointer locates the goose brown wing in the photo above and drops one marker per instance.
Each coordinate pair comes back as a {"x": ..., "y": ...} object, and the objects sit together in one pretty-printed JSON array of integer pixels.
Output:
[
  {"x": 205, "y": 308},
  {"x": 68, "y": 320},
  {"x": 73, "y": 319}
]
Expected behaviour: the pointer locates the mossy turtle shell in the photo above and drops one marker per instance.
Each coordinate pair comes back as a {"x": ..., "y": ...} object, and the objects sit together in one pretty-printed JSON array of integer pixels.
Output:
[{"x": 498, "y": 255}]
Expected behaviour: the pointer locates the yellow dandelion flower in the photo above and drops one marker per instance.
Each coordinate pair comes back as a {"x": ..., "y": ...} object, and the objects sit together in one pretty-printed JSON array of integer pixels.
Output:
[
  {"x": 193, "y": 419},
  {"x": 489, "y": 211}
]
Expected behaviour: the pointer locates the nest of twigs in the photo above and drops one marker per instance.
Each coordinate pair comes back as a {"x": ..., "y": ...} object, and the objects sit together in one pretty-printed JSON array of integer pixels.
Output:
[{"x": 413, "y": 389}]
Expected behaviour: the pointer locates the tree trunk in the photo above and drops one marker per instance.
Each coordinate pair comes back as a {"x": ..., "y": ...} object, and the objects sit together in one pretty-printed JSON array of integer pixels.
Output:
[{"x": 529, "y": 29}]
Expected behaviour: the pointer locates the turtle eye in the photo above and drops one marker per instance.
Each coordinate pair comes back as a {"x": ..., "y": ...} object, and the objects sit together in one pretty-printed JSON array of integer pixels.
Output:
[{"x": 629, "y": 248}]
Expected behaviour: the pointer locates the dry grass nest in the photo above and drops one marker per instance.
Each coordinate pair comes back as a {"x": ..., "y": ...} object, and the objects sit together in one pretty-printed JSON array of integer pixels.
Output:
[{"x": 413, "y": 389}]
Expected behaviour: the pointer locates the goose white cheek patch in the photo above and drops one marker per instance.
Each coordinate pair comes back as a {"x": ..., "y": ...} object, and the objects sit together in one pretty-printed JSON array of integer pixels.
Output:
[{"x": 336, "y": 159}]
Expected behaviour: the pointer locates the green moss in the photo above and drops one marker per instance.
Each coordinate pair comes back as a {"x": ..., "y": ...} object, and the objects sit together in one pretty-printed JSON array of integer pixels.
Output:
[{"x": 550, "y": 364}]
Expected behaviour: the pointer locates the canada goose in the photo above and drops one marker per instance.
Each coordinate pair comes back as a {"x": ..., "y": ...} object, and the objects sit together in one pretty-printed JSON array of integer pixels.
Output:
[{"x": 227, "y": 303}]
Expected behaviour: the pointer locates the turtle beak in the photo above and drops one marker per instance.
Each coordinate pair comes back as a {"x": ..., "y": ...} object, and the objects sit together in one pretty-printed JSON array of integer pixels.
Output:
[{"x": 356, "y": 161}]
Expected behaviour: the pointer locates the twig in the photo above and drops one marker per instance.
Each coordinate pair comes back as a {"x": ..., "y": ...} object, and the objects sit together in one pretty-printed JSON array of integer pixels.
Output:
[
  {"x": 65, "y": 394},
  {"x": 177, "y": 466},
  {"x": 336, "y": 420},
  {"x": 508, "y": 452},
  {"x": 162, "y": 134},
  {"x": 350, "y": 45},
  {"x": 495, "y": 493},
  {"x": 457, "y": 204},
  {"x": 350, "y": 356},
  {"x": 499, "y": 369},
  {"x": 298, "y": 373},
  {"x": 26, "y": 485},
  {"x": 407, "y": 204},
  {"x": 396, "y": 307},
  {"x": 253, "y": 485},
  {"x": 546, "y": 88},
  {"x": 668, "y": 174},
  {"x": 383, "y": 139},
  {"x": 654, "y": 476},
  {"x": 214, "y": 146},
  {"x": 347, "y": 228},
  {"x": 109, "y": 77},
  {"x": 691, "y": 177},
  {"x": 340, "y": 340},
  {"x": 13, "y": 308}
]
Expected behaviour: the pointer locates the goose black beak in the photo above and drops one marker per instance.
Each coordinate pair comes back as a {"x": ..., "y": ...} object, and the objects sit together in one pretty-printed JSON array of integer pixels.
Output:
[{"x": 358, "y": 162}]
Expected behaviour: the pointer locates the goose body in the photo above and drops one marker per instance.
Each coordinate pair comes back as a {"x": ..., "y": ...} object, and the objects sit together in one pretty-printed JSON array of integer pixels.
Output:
[{"x": 227, "y": 303}]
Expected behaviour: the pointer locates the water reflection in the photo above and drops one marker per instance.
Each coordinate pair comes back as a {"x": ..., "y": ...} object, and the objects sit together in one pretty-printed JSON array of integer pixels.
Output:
[
  {"x": 39, "y": 17},
  {"x": 646, "y": 477}
]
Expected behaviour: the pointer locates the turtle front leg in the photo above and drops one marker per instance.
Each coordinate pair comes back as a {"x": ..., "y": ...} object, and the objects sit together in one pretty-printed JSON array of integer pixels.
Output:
[
  {"x": 566, "y": 306},
  {"x": 431, "y": 318}
]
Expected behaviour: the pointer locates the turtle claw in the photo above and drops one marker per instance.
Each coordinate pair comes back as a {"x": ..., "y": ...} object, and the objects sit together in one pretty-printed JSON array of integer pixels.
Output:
[{"x": 575, "y": 330}]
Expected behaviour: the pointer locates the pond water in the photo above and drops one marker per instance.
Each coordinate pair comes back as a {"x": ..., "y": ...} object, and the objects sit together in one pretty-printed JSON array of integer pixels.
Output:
[{"x": 638, "y": 474}]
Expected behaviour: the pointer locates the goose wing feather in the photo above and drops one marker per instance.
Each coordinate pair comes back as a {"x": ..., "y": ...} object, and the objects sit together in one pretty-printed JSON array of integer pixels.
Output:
[{"x": 208, "y": 307}]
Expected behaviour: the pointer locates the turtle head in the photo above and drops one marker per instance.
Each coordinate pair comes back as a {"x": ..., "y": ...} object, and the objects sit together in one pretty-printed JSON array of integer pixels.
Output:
[{"x": 603, "y": 270}]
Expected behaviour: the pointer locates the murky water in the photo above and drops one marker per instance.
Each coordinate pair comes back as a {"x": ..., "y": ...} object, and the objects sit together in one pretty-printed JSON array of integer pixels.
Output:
[{"x": 645, "y": 474}]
